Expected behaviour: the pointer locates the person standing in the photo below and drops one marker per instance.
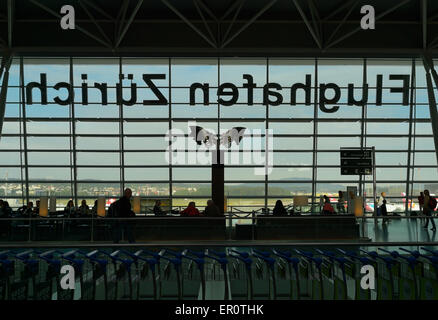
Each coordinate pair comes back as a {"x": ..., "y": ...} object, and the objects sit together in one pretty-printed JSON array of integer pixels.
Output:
[
  {"x": 279, "y": 209},
  {"x": 341, "y": 202},
  {"x": 211, "y": 210},
  {"x": 380, "y": 203},
  {"x": 123, "y": 211},
  {"x": 428, "y": 208},
  {"x": 421, "y": 204}
]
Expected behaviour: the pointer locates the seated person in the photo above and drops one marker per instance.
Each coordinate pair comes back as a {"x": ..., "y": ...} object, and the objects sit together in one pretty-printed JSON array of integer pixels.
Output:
[
  {"x": 94, "y": 209},
  {"x": 211, "y": 210},
  {"x": 190, "y": 211},
  {"x": 6, "y": 210},
  {"x": 84, "y": 209},
  {"x": 327, "y": 208},
  {"x": 70, "y": 210},
  {"x": 36, "y": 210},
  {"x": 279, "y": 209},
  {"x": 157, "y": 209},
  {"x": 26, "y": 211}
]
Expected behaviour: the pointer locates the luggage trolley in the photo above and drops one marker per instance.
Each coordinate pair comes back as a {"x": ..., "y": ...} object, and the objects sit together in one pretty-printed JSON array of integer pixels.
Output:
[
  {"x": 47, "y": 282},
  {"x": 197, "y": 280},
  {"x": 24, "y": 277},
  {"x": 190, "y": 281},
  {"x": 410, "y": 272},
  {"x": 6, "y": 272},
  {"x": 147, "y": 275},
  {"x": 337, "y": 275},
  {"x": 82, "y": 271},
  {"x": 241, "y": 277},
  {"x": 288, "y": 289},
  {"x": 95, "y": 283},
  {"x": 268, "y": 289},
  {"x": 219, "y": 259},
  {"x": 387, "y": 276},
  {"x": 311, "y": 270},
  {"x": 171, "y": 277},
  {"x": 428, "y": 282},
  {"x": 120, "y": 280},
  {"x": 353, "y": 275}
]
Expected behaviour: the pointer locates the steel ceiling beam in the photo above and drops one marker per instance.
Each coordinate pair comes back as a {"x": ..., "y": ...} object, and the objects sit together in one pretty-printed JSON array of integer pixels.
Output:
[
  {"x": 244, "y": 27},
  {"x": 7, "y": 58},
  {"x": 354, "y": 4},
  {"x": 11, "y": 5},
  {"x": 207, "y": 27},
  {"x": 424, "y": 22},
  {"x": 349, "y": 34},
  {"x": 191, "y": 25},
  {"x": 233, "y": 20},
  {"x": 98, "y": 9},
  {"x": 129, "y": 22},
  {"x": 35, "y": 2},
  {"x": 306, "y": 21},
  {"x": 84, "y": 7}
]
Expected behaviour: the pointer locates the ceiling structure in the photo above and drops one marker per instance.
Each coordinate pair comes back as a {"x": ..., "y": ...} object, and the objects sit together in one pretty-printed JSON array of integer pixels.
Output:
[{"x": 308, "y": 28}]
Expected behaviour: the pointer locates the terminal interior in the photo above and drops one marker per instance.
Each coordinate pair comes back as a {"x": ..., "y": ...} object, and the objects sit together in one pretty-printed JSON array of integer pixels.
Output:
[{"x": 242, "y": 103}]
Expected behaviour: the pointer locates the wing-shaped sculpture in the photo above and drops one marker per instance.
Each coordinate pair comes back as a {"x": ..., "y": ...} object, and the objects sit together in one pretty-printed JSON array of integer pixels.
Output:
[
  {"x": 203, "y": 136},
  {"x": 235, "y": 134}
]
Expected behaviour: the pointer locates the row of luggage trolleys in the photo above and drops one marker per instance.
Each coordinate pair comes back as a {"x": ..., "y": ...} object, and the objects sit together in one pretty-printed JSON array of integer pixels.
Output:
[{"x": 210, "y": 274}]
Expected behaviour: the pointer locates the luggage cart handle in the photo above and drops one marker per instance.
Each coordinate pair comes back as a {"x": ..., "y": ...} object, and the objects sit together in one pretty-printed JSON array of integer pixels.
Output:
[
  {"x": 241, "y": 254},
  {"x": 287, "y": 256},
  {"x": 178, "y": 255},
  {"x": 157, "y": 256},
  {"x": 354, "y": 256},
  {"x": 246, "y": 261},
  {"x": 221, "y": 255},
  {"x": 412, "y": 261},
  {"x": 175, "y": 261},
  {"x": 373, "y": 254},
  {"x": 434, "y": 252},
  {"x": 269, "y": 261},
  {"x": 199, "y": 261},
  {"x": 262, "y": 253},
  {"x": 221, "y": 261},
  {"x": 198, "y": 254},
  {"x": 309, "y": 256},
  {"x": 332, "y": 256},
  {"x": 414, "y": 253}
]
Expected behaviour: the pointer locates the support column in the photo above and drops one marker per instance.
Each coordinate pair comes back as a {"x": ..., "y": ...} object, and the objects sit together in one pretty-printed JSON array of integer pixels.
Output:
[
  {"x": 6, "y": 64},
  {"x": 217, "y": 179},
  {"x": 430, "y": 72}
]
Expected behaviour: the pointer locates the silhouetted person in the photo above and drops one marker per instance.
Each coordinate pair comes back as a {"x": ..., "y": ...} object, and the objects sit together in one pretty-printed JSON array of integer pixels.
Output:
[
  {"x": 279, "y": 209},
  {"x": 157, "y": 209},
  {"x": 327, "y": 208},
  {"x": 26, "y": 211},
  {"x": 123, "y": 211},
  {"x": 84, "y": 209},
  {"x": 380, "y": 203},
  {"x": 383, "y": 211},
  {"x": 70, "y": 210},
  {"x": 94, "y": 209},
  {"x": 421, "y": 204},
  {"x": 428, "y": 208},
  {"x": 341, "y": 202},
  {"x": 190, "y": 211},
  {"x": 211, "y": 210},
  {"x": 6, "y": 210},
  {"x": 36, "y": 210}
]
